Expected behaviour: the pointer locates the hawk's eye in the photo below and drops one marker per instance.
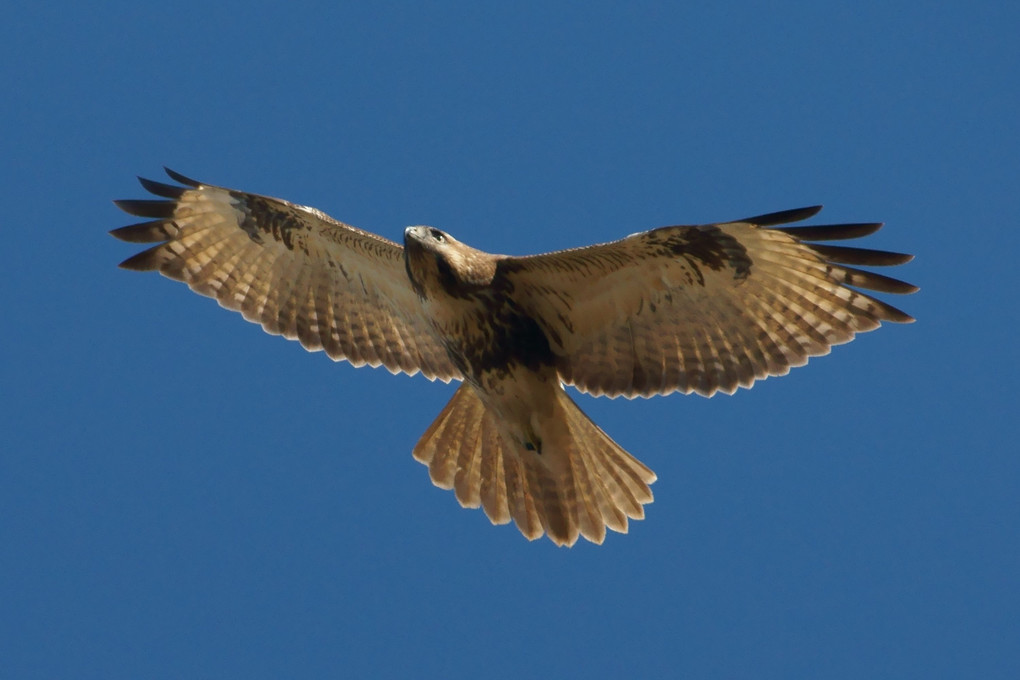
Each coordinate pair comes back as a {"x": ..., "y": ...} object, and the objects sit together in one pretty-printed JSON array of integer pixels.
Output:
[{"x": 437, "y": 235}]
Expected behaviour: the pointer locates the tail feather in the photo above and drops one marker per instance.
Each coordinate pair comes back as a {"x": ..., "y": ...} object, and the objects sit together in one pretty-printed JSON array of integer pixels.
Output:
[
  {"x": 467, "y": 482},
  {"x": 590, "y": 510},
  {"x": 493, "y": 491},
  {"x": 622, "y": 475},
  {"x": 521, "y": 505},
  {"x": 608, "y": 509},
  {"x": 580, "y": 483},
  {"x": 445, "y": 435},
  {"x": 621, "y": 488},
  {"x": 553, "y": 503}
]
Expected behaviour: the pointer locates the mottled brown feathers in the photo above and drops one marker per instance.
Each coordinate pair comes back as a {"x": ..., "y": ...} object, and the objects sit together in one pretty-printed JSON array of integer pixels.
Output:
[{"x": 697, "y": 308}]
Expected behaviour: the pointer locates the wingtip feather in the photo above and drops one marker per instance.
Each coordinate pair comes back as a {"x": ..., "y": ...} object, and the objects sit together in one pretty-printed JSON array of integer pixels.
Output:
[
  {"x": 832, "y": 232},
  {"x": 161, "y": 189},
  {"x": 178, "y": 177},
  {"x": 145, "y": 232},
  {"x": 783, "y": 216},
  {"x": 146, "y": 207},
  {"x": 862, "y": 256},
  {"x": 144, "y": 261}
]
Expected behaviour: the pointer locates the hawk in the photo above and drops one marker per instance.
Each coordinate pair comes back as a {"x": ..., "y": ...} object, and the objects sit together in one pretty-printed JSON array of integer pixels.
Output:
[{"x": 702, "y": 308}]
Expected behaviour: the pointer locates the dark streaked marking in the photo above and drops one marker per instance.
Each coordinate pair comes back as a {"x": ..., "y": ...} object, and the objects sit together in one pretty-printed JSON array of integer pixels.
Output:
[
  {"x": 706, "y": 245},
  {"x": 263, "y": 217},
  {"x": 448, "y": 279},
  {"x": 511, "y": 338},
  {"x": 419, "y": 289}
]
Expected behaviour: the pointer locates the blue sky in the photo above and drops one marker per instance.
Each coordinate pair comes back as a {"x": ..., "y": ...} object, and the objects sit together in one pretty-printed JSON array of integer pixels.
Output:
[{"x": 182, "y": 495}]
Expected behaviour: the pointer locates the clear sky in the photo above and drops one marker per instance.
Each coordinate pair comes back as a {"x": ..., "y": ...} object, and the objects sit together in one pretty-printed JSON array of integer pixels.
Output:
[{"x": 182, "y": 495}]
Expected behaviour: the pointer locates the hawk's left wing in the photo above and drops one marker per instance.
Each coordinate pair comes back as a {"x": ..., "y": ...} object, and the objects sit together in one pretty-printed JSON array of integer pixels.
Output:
[
  {"x": 703, "y": 308},
  {"x": 295, "y": 270}
]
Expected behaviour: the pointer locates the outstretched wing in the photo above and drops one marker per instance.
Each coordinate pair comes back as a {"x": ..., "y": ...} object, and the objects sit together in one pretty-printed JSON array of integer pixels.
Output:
[
  {"x": 703, "y": 308},
  {"x": 295, "y": 270}
]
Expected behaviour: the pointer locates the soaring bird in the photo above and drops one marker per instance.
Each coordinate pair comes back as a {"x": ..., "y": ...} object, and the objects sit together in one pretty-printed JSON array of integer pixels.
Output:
[{"x": 699, "y": 308}]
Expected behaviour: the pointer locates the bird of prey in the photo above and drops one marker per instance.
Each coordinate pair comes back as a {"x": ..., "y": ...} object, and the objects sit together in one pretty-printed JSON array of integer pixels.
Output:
[{"x": 701, "y": 308}]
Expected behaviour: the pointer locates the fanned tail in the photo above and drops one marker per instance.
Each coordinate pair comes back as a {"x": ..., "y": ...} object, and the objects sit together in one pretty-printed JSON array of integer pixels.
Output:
[{"x": 578, "y": 483}]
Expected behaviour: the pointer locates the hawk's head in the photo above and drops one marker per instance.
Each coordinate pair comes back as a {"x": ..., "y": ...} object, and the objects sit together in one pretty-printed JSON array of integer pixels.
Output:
[{"x": 439, "y": 264}]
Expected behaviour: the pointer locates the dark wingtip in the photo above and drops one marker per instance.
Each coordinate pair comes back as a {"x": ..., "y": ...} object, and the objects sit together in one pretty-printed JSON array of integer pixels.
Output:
[
  {"x": 161, "y": 189},
  {"x": 897, "y": 316},
  {"x": 832, "y": 232},
  {"x": 864, "y": 256},
  {"x": 143, "y": 261},
  {"x": 146, "y": 208},
  {"x": 178, "y": 177},
  {"x": 865, "y": 279},
  {"x": 783, "y": 216},
  {"x": 145, "y": 232}
]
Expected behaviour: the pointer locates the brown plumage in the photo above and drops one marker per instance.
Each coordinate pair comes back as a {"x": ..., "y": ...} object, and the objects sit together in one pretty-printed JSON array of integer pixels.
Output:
[{"x": 701, "y": 308}]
